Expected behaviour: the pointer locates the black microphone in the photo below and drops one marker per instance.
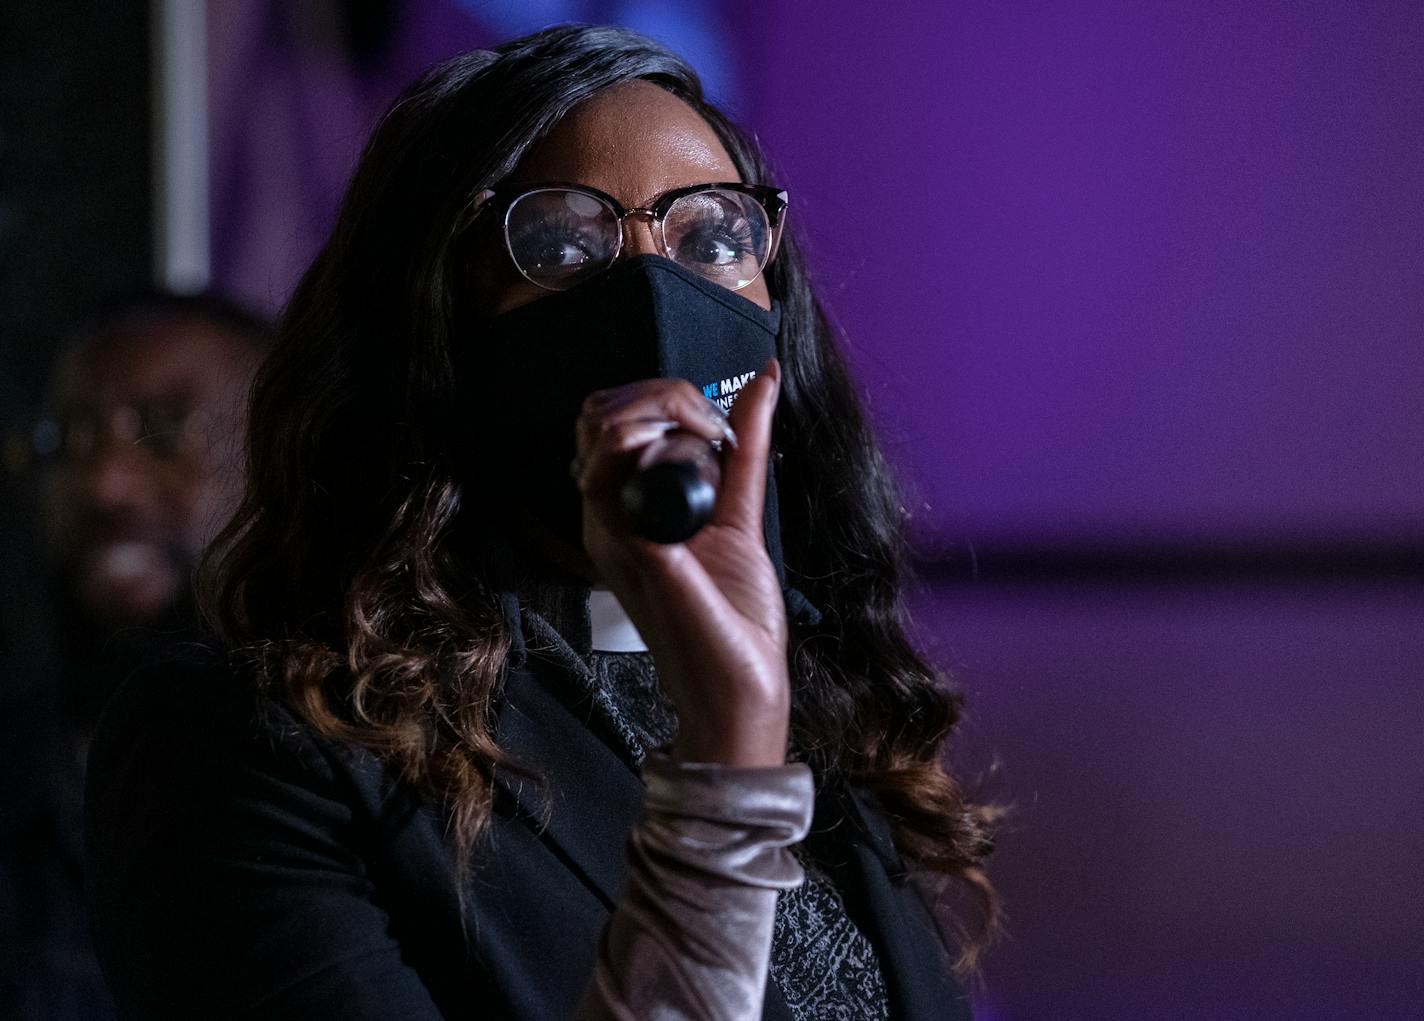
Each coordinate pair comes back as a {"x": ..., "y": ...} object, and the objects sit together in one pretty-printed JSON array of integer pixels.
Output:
[{"x": 671, "y": 496}]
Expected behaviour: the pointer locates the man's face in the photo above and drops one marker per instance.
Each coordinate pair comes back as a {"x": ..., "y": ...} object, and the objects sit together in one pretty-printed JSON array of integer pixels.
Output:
[{"x": 150, "y": 414}]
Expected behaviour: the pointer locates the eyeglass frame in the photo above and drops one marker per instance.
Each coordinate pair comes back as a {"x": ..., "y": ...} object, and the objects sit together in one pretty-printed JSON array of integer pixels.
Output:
[{"x": 502, "y": 199}]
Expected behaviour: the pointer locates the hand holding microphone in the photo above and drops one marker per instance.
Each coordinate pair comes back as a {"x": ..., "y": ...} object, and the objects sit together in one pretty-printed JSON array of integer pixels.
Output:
[{"x": 711, "y": 607}]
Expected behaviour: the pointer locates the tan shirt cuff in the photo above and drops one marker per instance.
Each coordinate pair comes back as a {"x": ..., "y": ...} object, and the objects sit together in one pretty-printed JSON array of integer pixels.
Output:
[{"x": 691, "y": 937}]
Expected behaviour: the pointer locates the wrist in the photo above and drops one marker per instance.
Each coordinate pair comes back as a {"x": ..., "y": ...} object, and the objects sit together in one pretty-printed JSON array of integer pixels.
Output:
[{"x": 752, "y": 738}]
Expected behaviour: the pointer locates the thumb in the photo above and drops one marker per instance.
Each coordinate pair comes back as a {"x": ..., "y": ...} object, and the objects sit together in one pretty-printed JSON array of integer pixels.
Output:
[{"x": 744, "y": 468}]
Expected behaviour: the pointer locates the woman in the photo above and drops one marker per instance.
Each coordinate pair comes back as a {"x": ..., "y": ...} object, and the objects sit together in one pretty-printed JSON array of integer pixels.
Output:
[{"x": 413, "y": 798}]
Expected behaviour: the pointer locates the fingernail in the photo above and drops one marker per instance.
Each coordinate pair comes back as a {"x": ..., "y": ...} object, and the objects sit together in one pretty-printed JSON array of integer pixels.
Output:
[{"x": 719, "y": 418}]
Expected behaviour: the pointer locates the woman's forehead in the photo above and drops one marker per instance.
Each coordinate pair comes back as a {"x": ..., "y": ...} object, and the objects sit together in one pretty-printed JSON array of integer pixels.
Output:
[{"x": 632, "y": 141}]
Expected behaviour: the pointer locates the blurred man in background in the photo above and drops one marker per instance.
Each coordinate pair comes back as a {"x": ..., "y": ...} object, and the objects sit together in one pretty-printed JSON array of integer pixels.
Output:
[
  {"x": 142, "y": 465},
  {"x": 146, "y": 437}
]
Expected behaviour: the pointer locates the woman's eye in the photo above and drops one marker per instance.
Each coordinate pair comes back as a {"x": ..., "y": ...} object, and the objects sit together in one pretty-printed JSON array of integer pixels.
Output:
[
  {"x": 553, "y": 243},
  {"x": 709, "y": 233},
  {"x": 717, "y": 242},
  {"x": 713, "y": 248},
  {"x": 560, "y": 253}
]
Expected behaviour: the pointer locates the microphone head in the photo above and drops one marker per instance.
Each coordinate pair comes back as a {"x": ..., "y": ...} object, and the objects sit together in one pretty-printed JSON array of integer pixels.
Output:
[{"x": 668, "y": 502}]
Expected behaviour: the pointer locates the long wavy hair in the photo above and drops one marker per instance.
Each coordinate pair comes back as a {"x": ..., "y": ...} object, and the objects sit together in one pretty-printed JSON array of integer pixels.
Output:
[{"x": 342, "y": 572}]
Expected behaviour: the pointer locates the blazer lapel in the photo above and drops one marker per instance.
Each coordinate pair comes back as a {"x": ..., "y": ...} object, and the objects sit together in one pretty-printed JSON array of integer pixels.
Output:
[
  {"x": 588, "y": 800},
  {"x": 582, "y": 796}
]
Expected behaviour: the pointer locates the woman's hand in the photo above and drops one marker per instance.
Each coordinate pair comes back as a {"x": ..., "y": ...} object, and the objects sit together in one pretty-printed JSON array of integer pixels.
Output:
[{"x": 710, "y": 609}]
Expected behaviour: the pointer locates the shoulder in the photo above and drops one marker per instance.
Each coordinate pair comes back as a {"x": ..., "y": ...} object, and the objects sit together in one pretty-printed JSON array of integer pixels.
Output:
[
  {"x": 236, "y": 859},
  {"x": 204, "y": 704},
  {"x": 197, "y": 685},
  {"x": 193, "y": 739}
]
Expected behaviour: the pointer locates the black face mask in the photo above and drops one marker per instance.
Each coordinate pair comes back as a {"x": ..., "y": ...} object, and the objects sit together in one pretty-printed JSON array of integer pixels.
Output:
[{"x": 644, "y": 318}]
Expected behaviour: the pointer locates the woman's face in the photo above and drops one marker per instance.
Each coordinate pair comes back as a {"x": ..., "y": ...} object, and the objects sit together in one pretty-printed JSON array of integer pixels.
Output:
[{"x": 633, "y": 141}]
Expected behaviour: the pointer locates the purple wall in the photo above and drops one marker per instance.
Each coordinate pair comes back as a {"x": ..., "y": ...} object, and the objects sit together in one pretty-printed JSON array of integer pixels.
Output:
[
  {"x": 1150, "y": 274},
  {"x": 1120, "y": 269},
  {"x": 1218, "y": 796}
]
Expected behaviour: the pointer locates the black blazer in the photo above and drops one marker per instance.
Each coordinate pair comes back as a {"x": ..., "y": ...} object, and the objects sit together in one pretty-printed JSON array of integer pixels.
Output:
[{"x": 241, "y": 866}]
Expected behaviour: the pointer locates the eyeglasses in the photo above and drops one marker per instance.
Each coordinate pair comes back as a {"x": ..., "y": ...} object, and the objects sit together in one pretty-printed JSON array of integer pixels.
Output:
[
  {"x": 560, "y": 235},
  {"x": 162, "y": 431}
]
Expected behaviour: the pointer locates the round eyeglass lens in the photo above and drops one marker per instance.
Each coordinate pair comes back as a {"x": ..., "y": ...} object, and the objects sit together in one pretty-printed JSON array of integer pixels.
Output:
[
  {"x": 724, "y": 236},
  {"x": 559, "y": 237}
]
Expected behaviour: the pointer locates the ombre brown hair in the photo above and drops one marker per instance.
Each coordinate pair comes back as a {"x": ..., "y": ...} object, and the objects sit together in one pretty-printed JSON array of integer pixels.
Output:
[{"x": 352, "y": 572}]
